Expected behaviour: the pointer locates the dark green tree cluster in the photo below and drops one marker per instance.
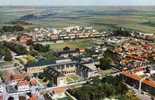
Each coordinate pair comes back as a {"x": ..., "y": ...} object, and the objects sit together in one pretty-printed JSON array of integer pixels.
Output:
[
  {"x": 15, "y": 28},
  {"x": 17, "y": 48},
  {"x": 33, "y": 53},
  {"x": 66, "y": 49},
  {"x": 50, "y": 56},
  {"x": 41, "y": 48},
  {"x": 121, "y": 32},
  {"x": 109, "y": 59},
  {"x": 5, "y": 52},
  {"x": 105, "y": 62},
  {"x": 100, "y": 89}
]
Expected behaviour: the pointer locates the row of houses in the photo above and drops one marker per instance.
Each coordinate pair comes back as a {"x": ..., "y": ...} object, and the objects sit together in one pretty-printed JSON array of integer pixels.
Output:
[{"x": 73, "y": 32}]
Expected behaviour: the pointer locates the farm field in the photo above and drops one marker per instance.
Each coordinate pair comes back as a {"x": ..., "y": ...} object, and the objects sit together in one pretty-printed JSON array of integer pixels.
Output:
[{"x": 139, "y": 18}]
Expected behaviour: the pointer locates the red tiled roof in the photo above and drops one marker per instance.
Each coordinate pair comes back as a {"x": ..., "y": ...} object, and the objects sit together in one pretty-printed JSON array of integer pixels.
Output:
[
  {"x": 33, "y": 82},
  {"x": 34, "y": 97},
  {"x": 1, "y": 97},
  {"x": 135, "y": 77},
  {"x": 59, "y": 90},
  {"x": 25, "y": 82},
  {"x": 18, "y": 77},
  {"x": 82, "y": 50}
]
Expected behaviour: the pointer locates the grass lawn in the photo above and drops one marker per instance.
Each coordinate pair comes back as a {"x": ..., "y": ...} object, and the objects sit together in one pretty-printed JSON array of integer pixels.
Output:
[
  {"x": 72, "y": 78},
  {"x": 65, "y": 98},
  {"x": 49, "y": 56},
  {"x": 26, "y": 59},
  {"x": 71, "y": 44},
  {"x": 107, "y": 72},
  {"x": 82, "y": 43}
]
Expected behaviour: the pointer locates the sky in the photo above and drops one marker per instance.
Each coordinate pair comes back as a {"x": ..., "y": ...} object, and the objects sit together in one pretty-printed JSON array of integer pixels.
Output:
[{"x": 77, "y": 2}]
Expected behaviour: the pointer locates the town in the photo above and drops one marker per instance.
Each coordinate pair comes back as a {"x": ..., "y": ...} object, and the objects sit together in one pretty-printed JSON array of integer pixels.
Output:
[{"x": 63, "y": 63}]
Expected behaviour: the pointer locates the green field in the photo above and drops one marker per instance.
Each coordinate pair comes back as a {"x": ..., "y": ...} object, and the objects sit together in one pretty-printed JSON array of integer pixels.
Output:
[
  {"x": 81, "y": 43},
  {"x": 73, "y": 44},
  {"x": 139, "y": 18}
]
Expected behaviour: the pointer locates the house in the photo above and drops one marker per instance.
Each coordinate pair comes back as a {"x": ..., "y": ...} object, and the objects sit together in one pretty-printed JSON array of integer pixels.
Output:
[
  {"x": 86, "y": 60},
  {"x": 37, "y": 67},
  {"x": 68, "y": 53},
  {"x": 1, "y": 89},
  {"x": 1, "y": 97},
  {"x": 92, "y": 70},
  {"x": 72, "y": 35},
  {"x": 63, "y": 65},
  {"x": 23, "y": 86},
  {"x": 54, "y": 36},
  {"x": 33, "y": 97},
  {"x": 134, "y": 78},
  {"x": 53, "y": 75}
]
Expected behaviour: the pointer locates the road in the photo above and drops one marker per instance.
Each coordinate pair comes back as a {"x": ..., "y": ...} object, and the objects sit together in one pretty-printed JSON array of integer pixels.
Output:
[
  {"x": 66, "y": 86},
  {"x": 143, "y": 96}
]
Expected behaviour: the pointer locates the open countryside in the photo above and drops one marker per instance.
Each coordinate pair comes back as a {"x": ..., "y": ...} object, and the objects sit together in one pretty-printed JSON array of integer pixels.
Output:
[{"x": 139, "y": 18}]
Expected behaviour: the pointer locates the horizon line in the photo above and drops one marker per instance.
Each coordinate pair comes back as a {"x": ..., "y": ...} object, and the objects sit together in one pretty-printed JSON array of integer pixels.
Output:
[{"x": 74, "y": 5}]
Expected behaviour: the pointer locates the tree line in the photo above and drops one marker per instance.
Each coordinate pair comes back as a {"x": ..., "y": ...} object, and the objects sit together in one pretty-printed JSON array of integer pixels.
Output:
[{"x": 107, "y": 87}]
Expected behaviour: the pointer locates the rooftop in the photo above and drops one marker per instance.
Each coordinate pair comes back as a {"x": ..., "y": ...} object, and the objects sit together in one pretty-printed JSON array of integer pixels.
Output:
[
  {"x": 33, "y": 97},
  {"x": 58, "y": 90},
  {"x": 90, "y": 66},
  {"x": 49, "y": 63},
  {"x": 148, "y": 82}
]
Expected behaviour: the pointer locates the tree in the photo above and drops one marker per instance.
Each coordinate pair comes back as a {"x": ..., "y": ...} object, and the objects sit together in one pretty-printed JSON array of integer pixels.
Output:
[
  {"x": 33, "y": 53},
  {"x": 17, "y": 48},
  {"x": 41, "y": 48},
  {"x": 98, "y": 89},
  {"x": 122, "y": 88},
  {"x": 5, "y": 52},
  {"x": 41, "y": 75},
  {"x": 50, "y": 84},
  {"x": 121, "y": 32},
  {"x": 12, "y": 28},
  {"x": 18, "y": 28},
  {"x": 8, "y": 56},
  {"x": 66, "y": 48},
  {"x": 108, "y": 90},
  {"x": 45, "y": 80},
  {"x": 105, "y": 63},
  {"x": 131, "y": 96}
]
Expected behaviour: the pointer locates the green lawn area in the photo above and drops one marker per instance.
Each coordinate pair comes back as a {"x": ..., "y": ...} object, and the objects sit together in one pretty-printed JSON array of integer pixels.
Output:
[
  {"x": 65, "y": 98},
  {"x": 27, "y": 59},
  {"x": 49, "y": 56},
  {"x": 72, "y": 78},
  {"x": 107, "y": 72},
  {"x": 84, "y": 43}
]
